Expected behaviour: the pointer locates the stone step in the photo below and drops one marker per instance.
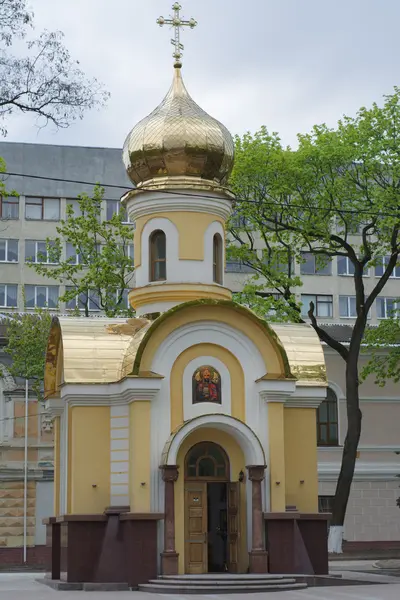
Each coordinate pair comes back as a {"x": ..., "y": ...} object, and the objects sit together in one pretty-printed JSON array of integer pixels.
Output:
[
  {"x": 211, "y": 588},
  {"x": 171, "y": 581}
]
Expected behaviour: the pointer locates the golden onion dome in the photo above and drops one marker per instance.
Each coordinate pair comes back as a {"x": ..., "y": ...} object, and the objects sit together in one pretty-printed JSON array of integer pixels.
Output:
[{"x": 178, "y": 139}]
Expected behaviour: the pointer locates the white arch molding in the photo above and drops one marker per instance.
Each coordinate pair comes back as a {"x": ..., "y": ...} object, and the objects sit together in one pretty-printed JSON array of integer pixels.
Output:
[{"x": 244, "y": 436}]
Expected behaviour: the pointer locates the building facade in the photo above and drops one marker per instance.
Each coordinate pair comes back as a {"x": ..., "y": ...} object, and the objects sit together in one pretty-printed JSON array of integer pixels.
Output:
[{"x": 373, "y": 517}]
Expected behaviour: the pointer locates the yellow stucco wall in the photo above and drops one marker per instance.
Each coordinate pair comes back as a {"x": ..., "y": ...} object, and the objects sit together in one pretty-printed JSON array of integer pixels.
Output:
[
  {"x": 139, "y": 455},
  {"x": 56, "y": 489},
  {"x": 231, "y": 363},
  {"x": 301, "y": 458},
  {"x": 90, "y": 459},
  {"x": 276, "y": 427},
  {"x": 223, "y": 314},
  {"x": 237, "y": 464},
  {"x": 191, "y": 227}
]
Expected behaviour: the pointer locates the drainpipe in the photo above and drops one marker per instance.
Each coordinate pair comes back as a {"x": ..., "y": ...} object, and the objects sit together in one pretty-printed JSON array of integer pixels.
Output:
[{"x": 26, "y": 467}]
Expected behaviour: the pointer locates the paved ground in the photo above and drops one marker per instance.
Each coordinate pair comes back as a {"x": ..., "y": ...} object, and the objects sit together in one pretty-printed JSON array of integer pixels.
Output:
[{"x": 22, "y": 586}]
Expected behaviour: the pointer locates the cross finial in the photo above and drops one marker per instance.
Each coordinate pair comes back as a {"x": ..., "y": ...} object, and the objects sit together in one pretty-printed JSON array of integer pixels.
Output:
[{"x": 177, "y": 23}]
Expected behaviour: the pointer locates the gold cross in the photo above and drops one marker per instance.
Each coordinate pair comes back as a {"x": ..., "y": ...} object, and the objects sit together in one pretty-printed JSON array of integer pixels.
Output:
[{"x": 176, "y": 22}]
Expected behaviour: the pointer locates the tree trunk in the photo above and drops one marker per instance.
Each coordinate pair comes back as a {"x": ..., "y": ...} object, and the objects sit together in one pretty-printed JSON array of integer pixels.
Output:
[{"x": 349, "y": 456}]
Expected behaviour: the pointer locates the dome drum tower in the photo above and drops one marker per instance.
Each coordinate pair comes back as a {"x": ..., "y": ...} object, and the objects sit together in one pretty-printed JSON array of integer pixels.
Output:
[{"x": 179, "y": 159}]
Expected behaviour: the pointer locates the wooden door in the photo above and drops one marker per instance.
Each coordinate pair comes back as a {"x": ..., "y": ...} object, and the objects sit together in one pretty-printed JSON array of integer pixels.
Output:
[
  {"x": 196, "y": 527},
  {"x": 233, "y": 526}
]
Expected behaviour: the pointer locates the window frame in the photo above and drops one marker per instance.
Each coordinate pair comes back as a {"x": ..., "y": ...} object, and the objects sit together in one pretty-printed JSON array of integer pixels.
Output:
[
  {"x": 70, "y": 288},
  {"x": 316, "y": 271},
  {"x": 330, "y": 442},
  {"x": 47, "y": 287},
  {"x": 207, "y": 446},
  {"x": 384, "y": 261},
  {"x": 6, "y": 251},
  {"x": 42, "y": 205},
  {"x": 152, "y": 255},
  {"x": 6, "y": 286},
  {"x": 317, "y": 303},
  {"x": 36, "y": 261},
  {"x": 385, "y": 299},
  {"x": 217, "y": 259},
  {"x": 119, "y": 206},
  {"x": 9, "y": 201}
]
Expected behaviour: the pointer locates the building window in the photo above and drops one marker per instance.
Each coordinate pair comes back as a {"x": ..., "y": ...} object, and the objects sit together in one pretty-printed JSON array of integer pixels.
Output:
[
  {"x": 8, "y": 295},
  {"x": 114, "y": 207},
  {"x": 345, "y": 266},
  {"x": 42, "y": 209},
  {"x": 9, "y": 251},
  {"x": 325, "y": 504},
  {"x": 40, "y": 252},
  {"x": 347, "y": 307},
  {"x": 323, "y": 305},
  {"x": 381, "y": 266},
  {"x": 387, "y": 307},
  {"x": 237, "y": 266},
  {"x": 327, "y": 421},
  {"x": 314, "y": 265},
  {"x": 158, "y": 256},
  {"x": 217, "y": 259},
  {"x": 77, "y": 212},
  {"x": 9, "y": 207},
  {"x": 207, "y": 460},
  {"x": 41, "y": 296},
  {"x": 92, "y": 300}
]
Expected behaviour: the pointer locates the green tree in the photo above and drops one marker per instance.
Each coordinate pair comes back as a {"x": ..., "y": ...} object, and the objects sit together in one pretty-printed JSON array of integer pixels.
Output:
[
  {"x": 336, "y": 196},
  {"x": 100, "y": 269},
  {"x": 382, "y": 343},
  {"x": 27, "y": 335},
  {"x": 45, "y": 80}
]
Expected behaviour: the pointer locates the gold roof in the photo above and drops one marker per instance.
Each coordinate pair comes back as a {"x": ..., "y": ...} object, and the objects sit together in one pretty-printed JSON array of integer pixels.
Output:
[
  {"x": 91, "y": 350},
  {"x": 178, "y": 139},
  {"x": 304, "y": 352},
  {"x": 101, "y": 350}
]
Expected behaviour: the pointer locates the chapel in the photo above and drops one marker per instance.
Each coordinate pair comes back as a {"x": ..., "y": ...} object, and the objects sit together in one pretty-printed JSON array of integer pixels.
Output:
[{"x": 185, "y": 438}]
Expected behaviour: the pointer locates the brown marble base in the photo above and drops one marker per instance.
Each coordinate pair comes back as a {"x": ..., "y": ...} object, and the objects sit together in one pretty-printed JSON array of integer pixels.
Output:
[
  {"x": 258, "y": 561},
  {"x": 169, "y": 563},
  {"x": 297, "y": 542},
  {"x": 100, "y": 548}
]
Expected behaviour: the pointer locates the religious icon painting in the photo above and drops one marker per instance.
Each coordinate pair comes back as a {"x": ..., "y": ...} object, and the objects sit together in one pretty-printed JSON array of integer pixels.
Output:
[{"x": 206, "y": 385}]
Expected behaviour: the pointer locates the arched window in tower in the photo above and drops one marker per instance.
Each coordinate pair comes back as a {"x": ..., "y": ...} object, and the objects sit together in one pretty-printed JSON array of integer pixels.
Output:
[
  {"x": 217, "y": 258},
  {"x": 327, "y": 421},
  {"x": 158, "y": 256},
  {"x": 206, "y": 385}
]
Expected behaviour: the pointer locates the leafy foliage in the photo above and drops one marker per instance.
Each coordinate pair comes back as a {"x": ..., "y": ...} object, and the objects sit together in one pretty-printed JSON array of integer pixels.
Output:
[
  {"x": 46, "y": 81},
  {"x": 337, "y": 195},
  {"x": 27, "y": 335},
  {"x": 383, "y": 343},
  {"x": 104, "y": 268}
]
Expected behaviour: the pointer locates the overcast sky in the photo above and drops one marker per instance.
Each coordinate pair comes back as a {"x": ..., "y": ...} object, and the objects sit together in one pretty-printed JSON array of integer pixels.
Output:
[{"x": 286, "y": 64}]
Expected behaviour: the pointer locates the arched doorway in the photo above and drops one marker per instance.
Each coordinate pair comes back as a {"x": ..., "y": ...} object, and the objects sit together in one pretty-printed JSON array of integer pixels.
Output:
[{"x": 211, "y": 511}]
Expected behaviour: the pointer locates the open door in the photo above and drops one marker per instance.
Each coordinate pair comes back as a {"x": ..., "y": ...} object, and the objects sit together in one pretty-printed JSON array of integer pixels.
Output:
[
  {"x": 233, "y": 526},
  {"x": 196, "y": 527}
]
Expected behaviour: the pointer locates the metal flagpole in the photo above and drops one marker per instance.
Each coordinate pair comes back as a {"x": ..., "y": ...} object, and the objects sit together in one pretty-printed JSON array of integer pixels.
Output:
[{"x": 26, "y": 467}]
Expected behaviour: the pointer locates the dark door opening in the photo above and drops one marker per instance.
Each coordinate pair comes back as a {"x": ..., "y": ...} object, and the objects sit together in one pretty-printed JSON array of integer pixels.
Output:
[{"x": 217, "y": 534}]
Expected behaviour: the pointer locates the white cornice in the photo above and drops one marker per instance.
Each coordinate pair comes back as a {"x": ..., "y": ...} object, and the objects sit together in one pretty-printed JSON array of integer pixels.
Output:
[
  {"x": 148, "y": 203},
  {"x": 275, "y": 390},
  {"x": 376, "y": 448},
  {"x": 365, "y": 471},
  {"x": 303, "y": 402},
  {"x": 54, "y": 407},
  {"x": 123, "y": 392}
]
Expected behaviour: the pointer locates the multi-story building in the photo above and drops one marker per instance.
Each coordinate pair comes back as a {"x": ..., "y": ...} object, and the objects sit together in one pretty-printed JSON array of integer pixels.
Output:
[{"x": 47, "y": 178}]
